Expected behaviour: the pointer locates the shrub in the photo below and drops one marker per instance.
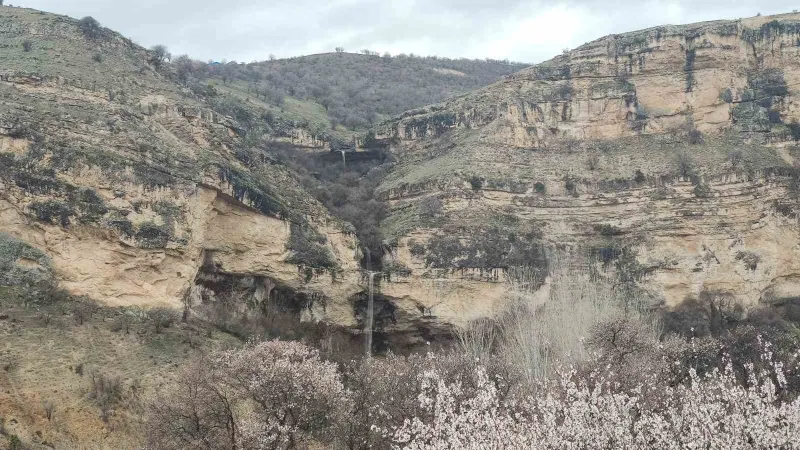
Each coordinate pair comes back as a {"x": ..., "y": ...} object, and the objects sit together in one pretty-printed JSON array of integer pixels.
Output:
[
  {"x": 749, "y": 259},
  {"x": 83, "y": 310},
  {"x": 735, "y": 158},
  {"x": 703, "y": 190},
  {"x": 726, "y": 95},
  {"x": 49, "y": 408},
  {"x": 431, "y": 207},
  {"x": 54, "y": 212},
  {"x": 15, "y": 443},
  {"x": 309, "y": 249},
  {"x": 607, "y": 229},
  {"x": 395, "y": 267},
  {"x": 684, "y": 165},
  {"x": 416, "y": 248},
  {"x": 592, "y": 161},
  {"x": 159, "y": 55},
  {"x": 90, "y": 27},
  {"x": 162, "y": 318},
  {"x": 152, "y": 235},
  {"x": 539, "y": 187},
  {"x": 639, "y": 176},
  {"x": 106, "y": 392},
  {"x": 97, "y": 57},
  {"x": 27, "y": 45},
  {"x": 476, "y": 183},
  {"x": 571, "y": 187},
  {"x": 794, "y": 130},
  {"x": 694, "y": 136}
]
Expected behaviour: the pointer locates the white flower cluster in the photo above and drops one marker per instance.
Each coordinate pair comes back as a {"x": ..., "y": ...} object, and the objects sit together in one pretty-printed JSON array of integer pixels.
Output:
[{"x": 714, "y": 411}]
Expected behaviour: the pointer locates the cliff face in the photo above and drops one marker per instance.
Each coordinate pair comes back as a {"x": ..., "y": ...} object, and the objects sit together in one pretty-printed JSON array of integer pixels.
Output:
[
  {"x": 135, "y": 188},
  {"x": 665, "y": 157}
]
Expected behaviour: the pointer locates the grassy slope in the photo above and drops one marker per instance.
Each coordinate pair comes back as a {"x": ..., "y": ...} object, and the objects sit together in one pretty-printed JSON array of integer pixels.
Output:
[{"x": 38, "y": 363}]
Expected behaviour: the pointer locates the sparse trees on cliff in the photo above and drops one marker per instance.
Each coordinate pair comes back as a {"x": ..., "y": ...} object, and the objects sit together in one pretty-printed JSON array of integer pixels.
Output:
[{"x": 159, "y": 55}]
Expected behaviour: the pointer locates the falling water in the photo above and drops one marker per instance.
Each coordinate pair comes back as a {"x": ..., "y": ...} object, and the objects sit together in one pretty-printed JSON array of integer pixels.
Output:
[
  {"x": 369, "y": 259},
  {"x": 370, "y": 313},
  {"x": 344, "y": 160}
]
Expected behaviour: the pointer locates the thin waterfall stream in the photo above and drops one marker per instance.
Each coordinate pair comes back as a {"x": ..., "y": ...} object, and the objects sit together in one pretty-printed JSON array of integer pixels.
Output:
[{"x": 370, "y": 313}]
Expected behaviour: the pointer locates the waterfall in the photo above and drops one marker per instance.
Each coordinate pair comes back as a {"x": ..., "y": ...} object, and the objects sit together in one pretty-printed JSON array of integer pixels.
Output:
[
  {"x": 370, "y": 313},
  {"x": 344, "y": 160},
  {"x": 369, "y": 259}
]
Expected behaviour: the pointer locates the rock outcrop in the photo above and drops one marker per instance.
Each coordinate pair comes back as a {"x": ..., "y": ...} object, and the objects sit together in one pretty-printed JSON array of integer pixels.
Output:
[
  {"x": 135, "y": 188},
  {"x": 666, "y": 156}
]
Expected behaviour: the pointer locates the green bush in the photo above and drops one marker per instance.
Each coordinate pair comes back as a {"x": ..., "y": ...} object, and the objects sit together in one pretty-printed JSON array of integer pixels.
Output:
[
  {"x": 607, "y": 230},
  {"x": 476, "y": 183},
  {"x": 394, "y": 267},
  {"x": 685, "y": 165},
  {"x": 416, "y": 248},
  {"x": 52, "y": 211},
  {"x": 571, "y": 187},
  {"x": 494, "y": 247},
  {"x": 151, "y": 235},
  {"x": 309, "y": 249},
  {"x": 726, "y": 95},
  {"x": 90, "y": 27},
  {"x": 703, "y": 190},
  {"x": 539, "y": 187},
  {"x": 11, "y": 251}
]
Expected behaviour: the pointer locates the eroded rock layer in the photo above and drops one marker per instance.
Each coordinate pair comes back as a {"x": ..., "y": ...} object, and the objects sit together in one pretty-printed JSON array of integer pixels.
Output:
[{"x": 666, "y": 157}]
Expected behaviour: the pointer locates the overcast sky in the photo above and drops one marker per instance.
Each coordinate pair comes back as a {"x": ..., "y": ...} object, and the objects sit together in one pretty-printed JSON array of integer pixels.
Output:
[{"x": 520, "y": 30}]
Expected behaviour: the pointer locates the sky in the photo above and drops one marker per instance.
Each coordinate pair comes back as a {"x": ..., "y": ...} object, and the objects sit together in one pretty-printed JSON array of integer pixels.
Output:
[{"x": 528, "y": 31}]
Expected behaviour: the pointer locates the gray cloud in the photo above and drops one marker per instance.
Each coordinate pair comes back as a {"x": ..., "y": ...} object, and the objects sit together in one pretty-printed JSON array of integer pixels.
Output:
[{"x": 530, "y": 31}]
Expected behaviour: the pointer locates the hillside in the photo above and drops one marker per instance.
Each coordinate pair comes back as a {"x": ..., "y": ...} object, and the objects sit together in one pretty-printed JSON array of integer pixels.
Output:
[
  {"x": 153, "y": 212},
  {"x": 665, "y": 159},
  {"x": 122, "y": 188},
  {"x": 339, "y": 93}
]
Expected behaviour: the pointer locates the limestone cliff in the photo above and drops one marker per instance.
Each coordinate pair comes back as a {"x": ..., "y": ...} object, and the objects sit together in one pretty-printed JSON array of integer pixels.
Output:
[
  {"x": 135, "y": 186},
  {"x": 667, "y": 156}
]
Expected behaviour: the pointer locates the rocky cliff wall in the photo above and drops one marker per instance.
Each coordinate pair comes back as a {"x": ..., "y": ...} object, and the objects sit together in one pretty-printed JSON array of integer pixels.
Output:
[{"x": 667, "y": 157}]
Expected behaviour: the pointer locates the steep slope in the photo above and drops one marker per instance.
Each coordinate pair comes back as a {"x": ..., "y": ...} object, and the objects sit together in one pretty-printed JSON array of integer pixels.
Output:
[
  {"x": 665, "y": 157},
  {"x": 139, "y": 192}
]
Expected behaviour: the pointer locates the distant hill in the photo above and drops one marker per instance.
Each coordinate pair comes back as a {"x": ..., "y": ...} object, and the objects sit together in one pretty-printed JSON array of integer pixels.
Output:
[{"x": 350, "y": 91}]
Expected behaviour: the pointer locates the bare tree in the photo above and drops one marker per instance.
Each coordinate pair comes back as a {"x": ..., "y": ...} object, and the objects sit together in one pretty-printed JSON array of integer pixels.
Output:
[
  {"x": 49, "y": 408},
  {"x": 197, "y": 412},
  {"x": 162, "y": 318}
]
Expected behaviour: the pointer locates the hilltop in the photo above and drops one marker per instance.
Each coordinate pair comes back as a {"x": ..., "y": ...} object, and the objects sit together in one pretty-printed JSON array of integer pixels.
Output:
[{"x": 336, "y": 94}]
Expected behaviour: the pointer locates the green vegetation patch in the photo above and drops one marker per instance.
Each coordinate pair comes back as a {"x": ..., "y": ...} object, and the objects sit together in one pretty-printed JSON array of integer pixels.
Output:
[
  {"x": 14, "y": 254},
  {"x": 496, "y": 246},
  {"x": 309, "y": 249}
]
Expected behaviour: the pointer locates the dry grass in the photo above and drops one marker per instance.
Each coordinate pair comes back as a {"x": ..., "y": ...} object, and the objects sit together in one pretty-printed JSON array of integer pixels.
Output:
[{"x": 47, "y": 367}]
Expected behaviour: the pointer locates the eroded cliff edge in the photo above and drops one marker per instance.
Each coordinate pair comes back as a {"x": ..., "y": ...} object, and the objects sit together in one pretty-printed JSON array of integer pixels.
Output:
[
  {"x": 140, "y": 192},
  {"x": 665, "y": 157}
]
